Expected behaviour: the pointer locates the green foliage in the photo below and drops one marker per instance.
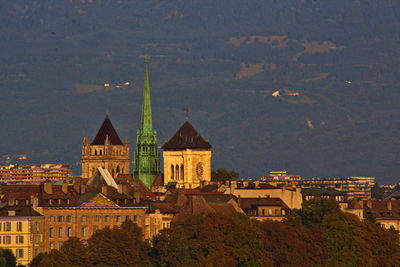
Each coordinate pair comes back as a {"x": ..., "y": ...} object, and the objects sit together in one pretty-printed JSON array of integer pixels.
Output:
[
  {"x": 211, "y": 240},
  {"x": 223, "y": 175},
  {"x": 377, "y": 191},
  {"x": 7, "y": 258},
  {"x": 289, "y": 245},
  {"x": 314, "y": 210},
  {"x": 121, "y": 246}
]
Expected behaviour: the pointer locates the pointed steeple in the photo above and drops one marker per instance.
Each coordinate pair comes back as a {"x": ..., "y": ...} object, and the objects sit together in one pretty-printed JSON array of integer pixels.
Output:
[
  {"x": 146, "y": 119},
  {"x": 107, "y": 130},
  {"x": 147, "y": 158}
]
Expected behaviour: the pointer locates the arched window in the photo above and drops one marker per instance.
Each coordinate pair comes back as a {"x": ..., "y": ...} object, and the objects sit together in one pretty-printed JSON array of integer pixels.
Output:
[
  {"x": 117, "y": 170},
  {"x": 177, "y": 172},
  {"x": 182, "y": 173},
  {"x": 100, "y": 152},
  {"x": 172, "y": 172},
  {"x": 95, "y": 152}
]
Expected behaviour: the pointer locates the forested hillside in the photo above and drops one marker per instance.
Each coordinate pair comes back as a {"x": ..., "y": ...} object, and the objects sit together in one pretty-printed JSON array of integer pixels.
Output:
[{"x": 334, "y": 63}]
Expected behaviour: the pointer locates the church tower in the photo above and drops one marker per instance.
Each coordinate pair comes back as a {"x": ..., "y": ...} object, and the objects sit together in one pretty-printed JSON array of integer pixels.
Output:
[
  {"x": 106, "y": 151},
  {"x": 187, "y": 158},
  {"x": 147, "y": 158}
]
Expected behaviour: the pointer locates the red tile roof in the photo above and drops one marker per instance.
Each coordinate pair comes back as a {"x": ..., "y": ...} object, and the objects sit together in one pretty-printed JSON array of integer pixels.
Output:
[
  {"x": 20, "y": 211},
  {"x": 186, "y": 137},
  {"x": 248, "y": 203},
  {"x": 107, "y": 129}
]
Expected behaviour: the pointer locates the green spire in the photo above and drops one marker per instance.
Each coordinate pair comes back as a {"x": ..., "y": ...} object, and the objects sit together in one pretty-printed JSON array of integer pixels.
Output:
[{"x": 147, "y": 158}]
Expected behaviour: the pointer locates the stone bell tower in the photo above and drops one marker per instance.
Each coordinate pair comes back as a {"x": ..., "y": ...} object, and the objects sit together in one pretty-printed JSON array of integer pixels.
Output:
[{"x": 106, "y": 151}]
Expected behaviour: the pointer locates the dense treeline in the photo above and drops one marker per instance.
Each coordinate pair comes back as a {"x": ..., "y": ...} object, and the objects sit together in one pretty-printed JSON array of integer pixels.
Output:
[{"x": 317, "y": 235}]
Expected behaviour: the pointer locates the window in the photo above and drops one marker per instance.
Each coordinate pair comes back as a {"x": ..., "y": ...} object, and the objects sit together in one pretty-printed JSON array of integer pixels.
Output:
[
  {"x": 51, "y": 232},
  {"x": 107, "y": 219},
  {"x": 69, "y": 232},
  {"x": 60, "y": 218},
  {"x": 68, "y": 218},
  {"x": 177, "y": 172},
  {"x": 52, "y": 245},
  {"x": 6, "y": 239},
  {"x": 19, "y": 239},
  {"x": 84, "y": 218},
  {"x": 118, "y": 218},
  {"x": 36, "y": 239},
  {"x": 182, "y": 173},
  {"x": 52, "y": 218},
  {"x": 36, "y": 251},
  {"x": 84, "y": 231},
  {"x": 127, "y": 218},
  {"x": 61, "y": 232},
  {"x": 96, "y": 218},
  {"x": 19, "y": 226},
  {"x": 7, "y": 226},
  {"x": 135, "y": 218},
  {"x": 36, "y": 226},
  {"x": 19, "y": 253},
  {"x": 59, "y": 201},
  {"x": 172, "y": 172}
]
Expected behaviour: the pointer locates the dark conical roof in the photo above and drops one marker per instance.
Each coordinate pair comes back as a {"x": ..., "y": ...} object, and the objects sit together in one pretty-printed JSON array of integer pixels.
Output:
[
  {"x": 186, "y": 137},
  {"x": 106, "y": 129}
]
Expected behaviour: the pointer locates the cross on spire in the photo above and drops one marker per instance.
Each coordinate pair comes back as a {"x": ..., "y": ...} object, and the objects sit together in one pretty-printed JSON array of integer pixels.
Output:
[{"x": 187, "y": 110}]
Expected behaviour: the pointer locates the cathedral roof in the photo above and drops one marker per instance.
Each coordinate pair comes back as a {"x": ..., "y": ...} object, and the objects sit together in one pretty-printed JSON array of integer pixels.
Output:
[
  {"x": 186, "y": 137},
  {"x": 106, "y": 129}
]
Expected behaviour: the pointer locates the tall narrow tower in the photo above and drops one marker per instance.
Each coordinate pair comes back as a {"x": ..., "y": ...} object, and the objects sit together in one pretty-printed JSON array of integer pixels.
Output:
[{"x": 147, "y": 158}]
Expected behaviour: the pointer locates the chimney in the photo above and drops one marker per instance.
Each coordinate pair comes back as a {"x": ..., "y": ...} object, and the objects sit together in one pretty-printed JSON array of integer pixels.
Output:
[
  {"x": 136, "y": 195},
  {"x": 120, "y": 189},
  {"x": 83, "y": 188},
  {"x": 64, "y": 187},
  {"x": 389, "y": 205},
  {"x": 76, "y": 187},
  {"x": 104, "y": 189},
  {"x": 369, "y": 203},
  {"x": 11, "y": 201},
  {"x": 48, "y": 188}
]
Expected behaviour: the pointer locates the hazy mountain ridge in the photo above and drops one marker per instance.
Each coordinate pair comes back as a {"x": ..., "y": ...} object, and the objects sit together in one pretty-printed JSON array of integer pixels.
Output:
[{"x": 50, "y": 46}]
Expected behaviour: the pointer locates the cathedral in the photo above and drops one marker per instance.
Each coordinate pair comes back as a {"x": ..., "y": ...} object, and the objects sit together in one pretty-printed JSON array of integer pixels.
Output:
[{"x": 187, "y": 155}]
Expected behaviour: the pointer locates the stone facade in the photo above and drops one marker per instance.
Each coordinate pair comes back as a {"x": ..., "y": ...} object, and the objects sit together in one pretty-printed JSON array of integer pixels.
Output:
[
  {"x": 187, "y": 168},
  {"x": 106, "y": 151}
]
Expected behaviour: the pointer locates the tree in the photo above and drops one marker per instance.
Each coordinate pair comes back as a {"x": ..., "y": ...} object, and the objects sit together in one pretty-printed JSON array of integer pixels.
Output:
[
  {"x": 313, "y": 211},
  {"x": 289, "y": 245},
  {"x": 211, "y": 240},
  {"x": 121, "y": 246},
  {"x": 223, "y": 175},
  {"x": 377, "y": 191},
  {"x": 76, "y": 251},
  {"x": 7, "y": 258}
]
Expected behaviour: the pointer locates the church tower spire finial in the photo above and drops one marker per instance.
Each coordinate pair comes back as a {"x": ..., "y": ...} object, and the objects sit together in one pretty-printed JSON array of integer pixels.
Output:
[{"x": 147, "y": 159}]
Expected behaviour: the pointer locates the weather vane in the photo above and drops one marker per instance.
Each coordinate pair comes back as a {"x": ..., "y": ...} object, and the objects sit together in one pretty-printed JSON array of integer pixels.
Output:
[{"x": 187, "y": 110}]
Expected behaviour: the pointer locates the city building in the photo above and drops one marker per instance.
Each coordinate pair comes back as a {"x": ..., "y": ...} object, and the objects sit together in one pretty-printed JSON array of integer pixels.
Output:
[
  {"x": 187, "y": 158},
  {"x": 290, "y": 196},
  {"x": 147, "y": 157},
  {"x": 106, "y": 151},
  {"x": 353, "y": 186},
  {"x": 281, "y": 177},
  {"x": 21, "y": 230},
  {"x": 15, "y": 174},
  {"x": 385, "y": 212}
]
